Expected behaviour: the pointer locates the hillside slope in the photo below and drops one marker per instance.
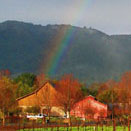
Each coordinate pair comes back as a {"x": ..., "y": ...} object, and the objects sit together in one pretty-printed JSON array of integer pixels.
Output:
[{"x": 93, "y": 55}]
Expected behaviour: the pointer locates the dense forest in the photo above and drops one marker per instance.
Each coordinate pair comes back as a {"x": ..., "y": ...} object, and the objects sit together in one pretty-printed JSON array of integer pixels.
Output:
[{"x": 92, "y": 55}]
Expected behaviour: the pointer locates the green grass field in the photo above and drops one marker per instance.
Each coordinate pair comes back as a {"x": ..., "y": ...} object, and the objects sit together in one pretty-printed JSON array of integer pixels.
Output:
[{"x": 88, "y": 128}]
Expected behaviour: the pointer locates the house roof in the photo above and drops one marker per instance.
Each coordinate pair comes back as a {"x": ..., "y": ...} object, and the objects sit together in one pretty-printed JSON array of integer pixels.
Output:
[{"x": 35, "y": 91}]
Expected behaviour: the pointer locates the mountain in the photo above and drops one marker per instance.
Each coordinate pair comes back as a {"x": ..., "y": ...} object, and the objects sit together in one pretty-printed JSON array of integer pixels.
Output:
[{"x": 92, "y": 56}]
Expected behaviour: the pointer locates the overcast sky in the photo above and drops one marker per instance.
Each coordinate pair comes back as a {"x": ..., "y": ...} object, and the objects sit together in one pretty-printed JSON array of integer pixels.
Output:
[{"x": 110, "y": 16}]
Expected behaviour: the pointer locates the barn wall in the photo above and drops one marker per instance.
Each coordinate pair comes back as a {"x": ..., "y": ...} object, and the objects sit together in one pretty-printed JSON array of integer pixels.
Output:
[
  {"x": 80, "y": 107},
  {"x": 28, "y": 101},
  {"x": 44, "y": 96}
]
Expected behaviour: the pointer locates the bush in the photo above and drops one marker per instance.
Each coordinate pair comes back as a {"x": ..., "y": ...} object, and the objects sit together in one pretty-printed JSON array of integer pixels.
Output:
[
  {"x": 39, "y": 121},
  {"x": 34, "y": 109},
  {"x": 15, "y": 111}
]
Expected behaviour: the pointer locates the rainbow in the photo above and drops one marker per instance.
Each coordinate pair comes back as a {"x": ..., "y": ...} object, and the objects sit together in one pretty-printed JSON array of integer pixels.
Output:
[{"x": 62, "y": 42}]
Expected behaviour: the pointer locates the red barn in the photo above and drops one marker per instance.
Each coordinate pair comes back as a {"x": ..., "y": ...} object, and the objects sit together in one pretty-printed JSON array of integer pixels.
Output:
[{"x": 89, "y": 108}]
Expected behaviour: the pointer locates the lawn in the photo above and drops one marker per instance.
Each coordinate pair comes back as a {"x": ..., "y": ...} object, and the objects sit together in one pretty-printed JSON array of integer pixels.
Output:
[{"x": 88, "y": 128}]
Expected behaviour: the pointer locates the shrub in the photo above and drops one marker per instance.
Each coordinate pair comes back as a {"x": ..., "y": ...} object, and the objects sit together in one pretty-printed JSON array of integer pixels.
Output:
[{"x": 33, "y": 109}]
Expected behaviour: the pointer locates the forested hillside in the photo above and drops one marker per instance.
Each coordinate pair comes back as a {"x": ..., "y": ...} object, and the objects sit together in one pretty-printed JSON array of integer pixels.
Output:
[{"x": 93, "y": 55}]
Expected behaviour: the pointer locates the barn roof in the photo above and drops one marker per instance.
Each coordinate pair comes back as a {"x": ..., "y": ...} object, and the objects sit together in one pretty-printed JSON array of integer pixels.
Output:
[
  {"x": 91, "y": 98},
  {"x": 35, "y": 91}
]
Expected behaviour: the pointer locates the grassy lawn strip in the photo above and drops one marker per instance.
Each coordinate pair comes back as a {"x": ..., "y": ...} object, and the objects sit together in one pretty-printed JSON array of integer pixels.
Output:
[{"x": 90, "y": 128}]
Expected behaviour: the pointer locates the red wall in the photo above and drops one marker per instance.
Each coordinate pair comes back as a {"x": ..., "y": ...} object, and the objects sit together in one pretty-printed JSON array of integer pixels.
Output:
[{"x": 89, "y": 107}]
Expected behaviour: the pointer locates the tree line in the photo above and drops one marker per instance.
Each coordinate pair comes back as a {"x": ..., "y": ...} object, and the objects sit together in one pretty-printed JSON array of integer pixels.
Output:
[{"x": 117, "y": 94}]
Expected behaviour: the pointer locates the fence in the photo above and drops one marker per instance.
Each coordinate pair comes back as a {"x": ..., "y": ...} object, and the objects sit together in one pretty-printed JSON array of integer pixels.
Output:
[{"x": 76, "y": 125}]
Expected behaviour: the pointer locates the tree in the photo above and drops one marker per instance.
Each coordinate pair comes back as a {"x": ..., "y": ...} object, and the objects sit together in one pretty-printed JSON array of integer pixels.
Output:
[
  {"x": 26, "y": 84},
  {"x": 93, "y": 89},
  {"x": 7, "y": 96},
  {"x": 40, "y": 80},
  {"x": 107, "y": 92},
  {"x": 106, "y": 96},
  {"x": 46, "y": 98},
  {"x": 124, "y": 92},
  {"x": 84, "y": 90},
  {"x": 69, "y": 92},
  {"x": 5, "y": 72}
]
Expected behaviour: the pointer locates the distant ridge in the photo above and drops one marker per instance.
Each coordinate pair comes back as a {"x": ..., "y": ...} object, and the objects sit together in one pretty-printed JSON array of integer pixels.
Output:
[{"x": 93, "y": 55}]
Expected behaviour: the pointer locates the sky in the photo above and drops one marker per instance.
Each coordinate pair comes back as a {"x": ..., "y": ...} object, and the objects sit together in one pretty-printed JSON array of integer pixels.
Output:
[{"x": 109, "y": 16}]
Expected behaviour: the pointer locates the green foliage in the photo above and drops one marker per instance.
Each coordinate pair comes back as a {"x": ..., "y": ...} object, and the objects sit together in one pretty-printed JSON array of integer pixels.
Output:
[
  {"x": 93, "y": 89},
  {"x": 25, "y": 83},
  {"x": 55, "y": 120},
  {"x": 26, "y": 78},
  {"x": 84, "y": 90},
  {"x": 1, "y": 114},
  {"x": 108, "y": 96},
  {"x": 39, "y": 120}
]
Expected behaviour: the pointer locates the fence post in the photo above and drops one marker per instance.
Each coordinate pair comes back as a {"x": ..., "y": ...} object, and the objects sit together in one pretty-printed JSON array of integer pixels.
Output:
[
  {"x": 96, "y": 127},
  {"x": 78, "y": 128},
  {"x": 57, "y": 128},
  {"x": 128, "y": 124},
  {"x": 102, "y": 126},
  {"x": 19, "y": 124},
  {"x": 51, "y": 128},
  {"x": 97, "y": 124},
  {"x": 33, "y": 125},
  {"x": 23, "y": 126},
  {"x": 114, "y": 125}
]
